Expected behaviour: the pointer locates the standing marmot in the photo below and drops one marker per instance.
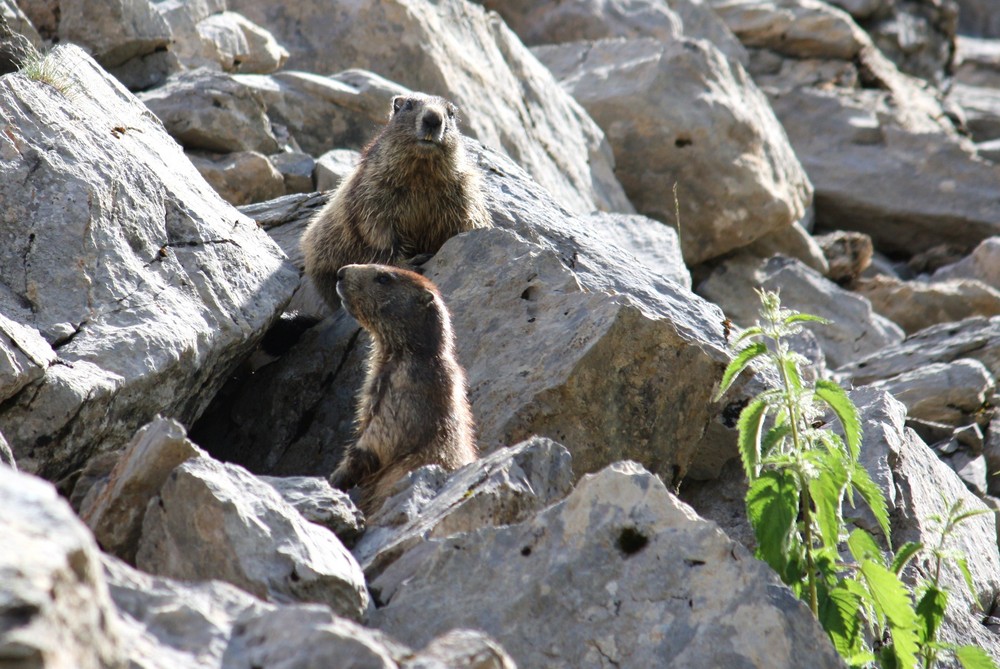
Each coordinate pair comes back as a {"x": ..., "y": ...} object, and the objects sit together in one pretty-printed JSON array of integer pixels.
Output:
[
  {"x": 413, "y": 409},
  {"x": 414, "y": 188}
]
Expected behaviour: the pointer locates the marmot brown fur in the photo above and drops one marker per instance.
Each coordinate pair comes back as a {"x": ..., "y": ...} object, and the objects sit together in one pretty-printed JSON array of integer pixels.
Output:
[
  {"x": 413, "y": 409},
  {"x": 414, "y": 188}
]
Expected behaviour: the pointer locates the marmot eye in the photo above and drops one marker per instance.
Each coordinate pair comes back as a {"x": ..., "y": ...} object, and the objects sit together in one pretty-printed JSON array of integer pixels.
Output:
[
  {"x": 451, "y": 112},
  {"x": 382, "y": 278},
  {"x": 409, "y": 105}
]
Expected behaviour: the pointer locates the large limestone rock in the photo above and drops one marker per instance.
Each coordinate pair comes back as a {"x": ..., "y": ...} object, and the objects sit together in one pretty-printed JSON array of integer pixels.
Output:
[
  {"x": 521, "y": 110},
  {"x": 619, "y": 573},
  {"x": 214, "y": 520},
  {"x": 982, "y": 264},
  {"x": 54, "y": 605},
  {"x": 113, "y": 31},
  {"x": 953, "y": 393},
  {"x": 147, "y": 285},
  {"x": 679, "y": 113},
  {"x": 915, "y": 305},
  {"x": 562, "y": 334}
]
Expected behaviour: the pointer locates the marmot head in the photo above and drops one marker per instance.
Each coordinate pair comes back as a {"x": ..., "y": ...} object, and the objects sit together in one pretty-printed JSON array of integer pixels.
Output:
[
  {"x": 403, "y": 310},
  {"x": 433, "y": 121}
]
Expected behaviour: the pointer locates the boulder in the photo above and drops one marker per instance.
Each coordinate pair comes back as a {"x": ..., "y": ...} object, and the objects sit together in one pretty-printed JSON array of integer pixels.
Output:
[
  {"x": 953, "y": 393},
  {"x": 212, "y": 111},
  {"x": 659, "y": 586},
  {"x": 296, "y": 169},
  {"x": 335, "y": 166},
  {"x": 919, "y": 37},
  {"x": 792, "y": 242},
  {"x": 113, "y": 31},
  {"x": 54, "y": 606},
  {"x": 977, "y": 338},
  {"x": 320, "y": 503},
  {"x": 115, "y": 512},
  {"x": 17, "y": 37},
  {"x": 915, "y": 305},
  {"x": 655, "y": 245},
  {"x": 143, "y": 281},
  {"x": 6, "y": 455},
  {"x": 981, "y": 109},
  {"x": 24, "y": 356},
  {"x": 854, "y": 329},
  {"x": 240, "y": 45},
  {"x": 991, "y": 451},
  {"x": 982, "y": 264},
  {"x": 977, "y": 61},
  {"x": 978, "y": 18},
  {"x": 680, "y": 114},
  {"x": 522, "y": 111},
  {"x": 215, "y": 520},
  {"x": 507, "y": 486},
  {"x": 242, "y": 177}
]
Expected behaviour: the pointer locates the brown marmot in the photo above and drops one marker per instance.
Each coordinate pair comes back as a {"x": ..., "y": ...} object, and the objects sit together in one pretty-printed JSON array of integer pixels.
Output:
[
  {"x": 413, "y": 409},
  {"x": 414, "y": 188}
]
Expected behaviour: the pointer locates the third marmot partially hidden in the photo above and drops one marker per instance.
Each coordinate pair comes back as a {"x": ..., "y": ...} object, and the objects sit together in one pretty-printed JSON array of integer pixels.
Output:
[
  {"x": 413, "y": 409},
  {"x": 414, "y": 188}
]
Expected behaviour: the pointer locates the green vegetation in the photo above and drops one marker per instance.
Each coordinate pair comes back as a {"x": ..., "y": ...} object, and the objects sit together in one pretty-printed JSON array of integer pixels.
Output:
[{"x": 800, "y": 475}]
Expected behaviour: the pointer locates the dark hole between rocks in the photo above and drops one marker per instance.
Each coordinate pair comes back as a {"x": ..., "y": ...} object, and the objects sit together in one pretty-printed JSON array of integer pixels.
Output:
[
  {"x": 631, "y": 541},
  {"x": 681, "y": 142},
  {"x": 526, "y": 551},
  {"x": 530, "y": 293},
  {"x": 294, "y": 576}
]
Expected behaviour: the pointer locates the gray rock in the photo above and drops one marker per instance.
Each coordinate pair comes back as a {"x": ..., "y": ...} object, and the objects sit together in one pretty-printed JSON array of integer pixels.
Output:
[
  {"x": 214, "y": 520},
  {"x": 505, "y": 487},
  {"x": 662, "y": 587},
  {"x": 982, "y": 264},
  {"x": 977, "y": 338},
  {"x": 335, "y": 166},
  {"x": 978, "y": 18},
  {"x": 981, "y": 108},
  {"x": 521, "y": 111},
  {"x": 18, "y": 38},
  {"x": 114, "y": 514},
  {"x": 6, "y": 455},
  {"x": 296, "y": 168},
  {"x": 242, "y": 177},
  {"x": 464, "y": 649},
  {"x": 54, "y": 605},
  {"x": 953, "y": 393},
  {"x": 971, "y": 469},
  {"x": 919, "y": 37},
  {"x": 43, "y": 14},
  {"x": 915, "y": 305},
  {"x": 977, "y": 61},
  {"x": 655, "y": 245},
  {"x": 113, "y": 31},
  {"x": 212, "y": 111},
  {"x": 562, "y": 334},
  {"x": 320, "y": 503},
  {"x": 854, "y": 329},
  {"x": 147, "y": 285},
  {"x": 24, "y": 356},
  {"x": 556, "y": 23},
  {"x": 860, "y": 9},
  {"x": 991, "y": 451},
  {"x": 649, "y": 97},
  {"x": 240, "y": 45},
  {"x": 792, "y": 242}
]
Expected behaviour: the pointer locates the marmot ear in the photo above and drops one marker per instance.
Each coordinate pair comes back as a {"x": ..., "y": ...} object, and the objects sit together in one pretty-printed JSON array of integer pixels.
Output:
[
  {"x": 426, "y": 297},
  {"x": 397, "y": 102}
]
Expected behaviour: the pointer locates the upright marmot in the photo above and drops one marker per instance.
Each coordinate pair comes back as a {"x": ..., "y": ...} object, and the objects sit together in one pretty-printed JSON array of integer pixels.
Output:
[
  {"x": 413, "y": 409},
  {"x": 414, "y": 188}
]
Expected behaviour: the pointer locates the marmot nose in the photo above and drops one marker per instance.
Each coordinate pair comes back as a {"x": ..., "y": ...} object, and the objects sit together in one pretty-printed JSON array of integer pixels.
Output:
[
  {"x": 340, "y": 273},
  {"x": 432, "y": 120}
]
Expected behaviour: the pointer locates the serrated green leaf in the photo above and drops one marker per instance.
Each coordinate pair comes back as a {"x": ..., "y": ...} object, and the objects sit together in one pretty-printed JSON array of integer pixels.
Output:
[
  {"x": 872, "y": 494},
  {"x": 748, "y": 440},
  {"x": 738, "y": 364},
  {"x": 772, "y": 503},
  {"x": 773, "y": 437},
  {"x": 904, "y": 555},
  {"x": 962, "y": 517},
  {"x": 863, "y": 547},
  {"x": 837, "y": 399},
  {"x": 963, "y": 566},
  {"x": 805, "y": 318},
  {"x": 930, "y": 611},
  {"x": 974, "y": 657},
  {"x": 838, "y": 614},
  {"x": 755, "y": 331},
  {"x": 826, "y": 491},
  {"x": 892, "y": 600},
  {"x": 792, "y": 375}
]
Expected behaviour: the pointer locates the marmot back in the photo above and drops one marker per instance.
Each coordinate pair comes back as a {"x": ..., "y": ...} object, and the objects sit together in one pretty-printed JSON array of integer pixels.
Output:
[
  {"x": 413, "y": 409},
  {"x": 414, "y": 188}
]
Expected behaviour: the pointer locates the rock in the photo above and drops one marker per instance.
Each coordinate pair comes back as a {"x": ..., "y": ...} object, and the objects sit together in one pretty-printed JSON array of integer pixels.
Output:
[
  {"x": 54, "y": 605},
  {"x": 915, "y": 305},
  {"x": 982, "y": 264},
  {"x": 971, "y": 469},
  {"x": 521, "y": 111},
  {"x": 505, "y": 487},
  {"x": 24, "y": 356},
  {"x": 113, "y": 31},
  {"x": 953, "y": 393},
  {"x": 919, "y": 37},
  {"x": 335, "y": 166},
  {"x": 859, "y": 9},
  {"x": 853, "y": 330},
  {"x": 240, "y": 178},
  {"x": 981, "y": 107},
  {"x": 320, "y": 503},
  {"x": 43, "y": 14},
  {"x": 143, "y": 281},
  {"x": 296, "y": 168},
  {"x": 848, "y": 254},
  {"x": 17, "y": 37},
  {"x": 791, "y": 242},
  {"x": 212, "y": 111},
  {"x": 991, "y": 451},
  {"x": 978, "y": 18},
  {"x": 114, "y": 513},
  {"x": 467, "y": 649},
  {"x": 977, "y": 338},
  {"x": 239, "y": 45},
  {"x": 977, "y": 61},
  {"x": 562, "y": 334},
  {"x": 657, "y": 246},
  {"x": 663, "y": 586},
  {"x": 215, "y": 520},
  {"x": 650, "y": 98},
  {"x": 556, "y": 23},
  {"x": 6, "y": 455}
]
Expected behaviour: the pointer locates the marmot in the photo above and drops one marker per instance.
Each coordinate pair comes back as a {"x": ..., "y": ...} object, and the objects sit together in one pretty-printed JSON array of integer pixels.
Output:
[
  {"x": 413, "y": 409},
  {"x": 414, "y": 188}
]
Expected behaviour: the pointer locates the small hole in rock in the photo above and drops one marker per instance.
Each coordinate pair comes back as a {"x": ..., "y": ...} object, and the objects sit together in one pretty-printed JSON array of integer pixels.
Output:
[
  {"x": 631, "y": 541},
  {"x": 681, "y": 142},
  {"x": 526, "y": 551}
]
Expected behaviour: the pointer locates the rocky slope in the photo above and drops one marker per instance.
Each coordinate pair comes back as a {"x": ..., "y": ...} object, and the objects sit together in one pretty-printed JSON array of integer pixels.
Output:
[{"x": 647, "y": 164}]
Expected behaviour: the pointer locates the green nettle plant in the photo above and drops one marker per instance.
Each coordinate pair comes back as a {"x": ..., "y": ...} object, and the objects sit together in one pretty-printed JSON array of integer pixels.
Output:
[{"x": 800, "y": 475}]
